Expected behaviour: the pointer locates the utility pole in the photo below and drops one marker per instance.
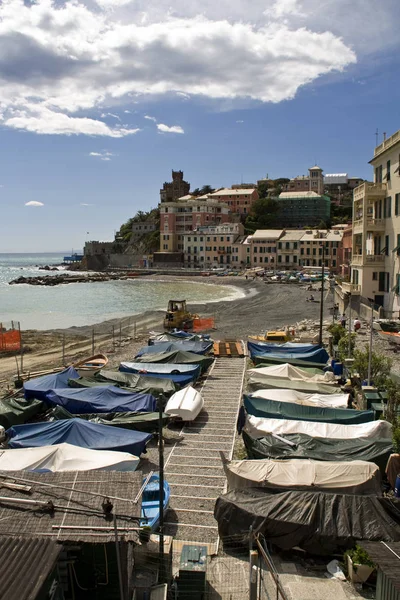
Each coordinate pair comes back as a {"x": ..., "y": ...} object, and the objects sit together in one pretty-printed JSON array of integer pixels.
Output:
[
  {"x": 349, "y": 348},
  {"x": 161, "y": 496},
  {"x": 370, "y": 344},
  {"x": 321, "y": 314}
]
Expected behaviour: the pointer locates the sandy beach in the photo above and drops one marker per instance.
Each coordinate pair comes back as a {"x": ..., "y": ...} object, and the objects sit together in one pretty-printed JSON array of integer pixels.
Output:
[{"x": 261, "y": 306}]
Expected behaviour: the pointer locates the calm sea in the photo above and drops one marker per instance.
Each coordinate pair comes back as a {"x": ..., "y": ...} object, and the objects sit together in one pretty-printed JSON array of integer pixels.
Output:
[{"x": 87, "y": 303}]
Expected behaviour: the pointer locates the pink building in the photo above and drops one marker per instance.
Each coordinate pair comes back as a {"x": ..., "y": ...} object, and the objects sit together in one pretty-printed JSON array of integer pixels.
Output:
[
  {"x": 239, "y": 201},
  {"x": 185, "y": 215}
]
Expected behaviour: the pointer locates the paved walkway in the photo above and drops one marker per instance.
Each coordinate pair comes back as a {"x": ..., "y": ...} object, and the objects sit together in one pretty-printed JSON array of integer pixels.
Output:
[{"x": 193, "y": 468}]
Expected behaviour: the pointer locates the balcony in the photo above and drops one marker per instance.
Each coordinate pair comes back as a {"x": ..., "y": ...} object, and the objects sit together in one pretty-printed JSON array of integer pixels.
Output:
[
  {"x": 351, "y": 288},
  {"x": 370, "y": 225},
  {"x": 386, "y": 144},
  {"x": 368, "y": 189},
  {"x": 365, "y": 260}
]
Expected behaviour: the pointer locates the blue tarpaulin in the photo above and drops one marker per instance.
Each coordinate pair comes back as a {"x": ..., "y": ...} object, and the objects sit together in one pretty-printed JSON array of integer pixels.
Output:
[
  {"x": 319, "y": 355},
  {"x": 179, "y": 373},
  {"x": 38, "y": 388},
  {"x": 100, "y": 400},
  {"x": 286, "y": 347},
  {"x": 78, "y": 433},
  {"x": 196, "y": 347}
]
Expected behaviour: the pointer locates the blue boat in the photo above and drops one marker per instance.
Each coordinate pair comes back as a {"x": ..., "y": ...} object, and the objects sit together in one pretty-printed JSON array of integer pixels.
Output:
[{"x": 150, "y": 513}]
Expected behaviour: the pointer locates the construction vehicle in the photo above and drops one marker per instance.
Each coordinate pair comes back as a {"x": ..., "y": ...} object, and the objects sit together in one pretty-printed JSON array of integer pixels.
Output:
[{"x": 178, "y": 316}]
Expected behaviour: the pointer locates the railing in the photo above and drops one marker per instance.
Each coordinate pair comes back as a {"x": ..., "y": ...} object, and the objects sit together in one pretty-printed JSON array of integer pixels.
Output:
[
  {"x": 366, "y": 259},
  {"x": 351, "y": 288},
  {"x": 387, "y": 143},
  {"x": 368, "y": 188}
]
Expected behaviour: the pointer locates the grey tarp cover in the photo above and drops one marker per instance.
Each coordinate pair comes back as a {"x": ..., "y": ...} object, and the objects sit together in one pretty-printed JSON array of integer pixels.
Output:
[
  {"x": 138, "y": 421},
  {"x": 320, "y": 523},
  {"x": 265, "y": 360},
  {"x": 257, "y": 381},
  {"x": 353, "y": 477},
  {"x": 273, "y": 409},
  {"x": 16, "y": 411},
  {"x": 178, "y": 357},
  {"x": 132, "y": 381},
  {"x": 299, "y": 445}
]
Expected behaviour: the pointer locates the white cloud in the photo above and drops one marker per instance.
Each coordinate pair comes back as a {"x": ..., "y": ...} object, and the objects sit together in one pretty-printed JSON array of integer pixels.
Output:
[
  {"x": 183, "y": 95},
  {"x": 104, "y": 155},
  {"x": 34, "y": 203},
  {"x": 86, "y": 204},
  {"x": 239, "y": 121},
  {"x": 128, "y": 112},
  {"x": 62, "y": 61},
  {"x": 150, "y": 118},
  {"x": 166, "y": 129}
]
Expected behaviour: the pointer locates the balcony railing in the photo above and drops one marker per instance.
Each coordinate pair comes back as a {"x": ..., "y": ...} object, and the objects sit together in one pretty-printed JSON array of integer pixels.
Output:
[
  {"x": 366, "y": 189},
  {"x": 351, "y": 288},
  {"x": 367, "y": 259},
  {"x": 387, "y": 143}
]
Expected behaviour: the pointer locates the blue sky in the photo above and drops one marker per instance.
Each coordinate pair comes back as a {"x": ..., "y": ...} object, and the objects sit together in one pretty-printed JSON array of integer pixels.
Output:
[{"x": 233, "y": 91}]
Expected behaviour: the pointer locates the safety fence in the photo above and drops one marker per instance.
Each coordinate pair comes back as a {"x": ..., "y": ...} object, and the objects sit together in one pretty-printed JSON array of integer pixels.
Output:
[
  {"x": 10, "y": 337},
  {"x": 203, "y": 324}
]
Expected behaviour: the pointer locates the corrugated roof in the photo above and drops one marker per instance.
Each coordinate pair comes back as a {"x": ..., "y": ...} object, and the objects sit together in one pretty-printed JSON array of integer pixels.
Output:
[
  {"x": 25, "y": 565},
  {"x": 383, "y": 554},
  {"x": 288, "y": 195},
  {"x": 73, "y": 508},
  {"x": 292, "y": 235}
]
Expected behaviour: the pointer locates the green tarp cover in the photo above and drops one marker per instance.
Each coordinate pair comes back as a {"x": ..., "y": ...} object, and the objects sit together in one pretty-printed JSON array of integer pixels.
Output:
[
  {"x": 273, "y": 409},
  {"x": 178, "y": 357},
  {"x": 139, "y": 421},
  {"x": 129, "y": 381},
  {"x": 261, "y": 382},
  {"x": 328, "y": 449},
  {"x": 266, "y": 361},
  {"x": 16, "y": 411}
]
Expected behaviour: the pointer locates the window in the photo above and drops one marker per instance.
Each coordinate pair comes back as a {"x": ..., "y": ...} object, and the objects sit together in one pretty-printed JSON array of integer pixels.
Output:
[
  {"x": 396, "y": 204},
  {"x": 287, "y": 257},
  {"x": 387, "y": 207},
  {"x": 208, "y": 239},
  {"x": 388, "y": 170},
  {"x": 287, "y": 245},
  {"x": 302, "y": 251},
  {"x": 215, "y": 248},
  {"x": 375, "y": 276},
  {"x": 397, "y": 287},
  {"x": 383, "y": 285},
  {"x": 295, "y": 245},
  {"x": 378, "y": 174},
  {"x": 201, "y": 248},
  {"x": 255, "y": 248},
  {"x": 387, "y": 242},
  {"x": 295, "y": 259},
  {"x": 279, "y": 258},
  {"x": 195, "y": 239},
  {"x": 280, "y": 245}
]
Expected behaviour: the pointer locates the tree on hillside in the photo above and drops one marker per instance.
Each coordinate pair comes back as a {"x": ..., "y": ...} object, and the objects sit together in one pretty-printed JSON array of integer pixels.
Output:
[{"x": 262, "y": 216}]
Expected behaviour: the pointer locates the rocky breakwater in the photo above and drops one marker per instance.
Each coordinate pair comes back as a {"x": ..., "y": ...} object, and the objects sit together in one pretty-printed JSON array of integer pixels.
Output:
[{"x": 62, "y": 278}]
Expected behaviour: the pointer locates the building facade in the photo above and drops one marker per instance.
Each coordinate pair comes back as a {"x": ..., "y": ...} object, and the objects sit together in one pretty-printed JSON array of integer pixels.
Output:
[
  {"x": 375, "y": 262},
  {"x": 175, "y": 189},
  {"x": 213, "y": 246},
  {"x": 303, "y": 209},
  {"x": 263, "y": 248},
  {"x": 187, "y": 215},
  {"x": 313, "y": 182},
  {"x": 239, "y": 200}
]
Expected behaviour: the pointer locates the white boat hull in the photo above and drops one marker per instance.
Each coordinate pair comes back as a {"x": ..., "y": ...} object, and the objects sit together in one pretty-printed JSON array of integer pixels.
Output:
[{"x": 185, "y": 404}]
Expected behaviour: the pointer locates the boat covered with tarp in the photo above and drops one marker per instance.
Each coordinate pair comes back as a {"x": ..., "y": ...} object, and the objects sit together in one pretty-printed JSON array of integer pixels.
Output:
[
  {"x": 66, "y": 457},
  {"x": 318, "y": 522},
  {"x": 258, "y": 381},
  {"x": 143, "y": 421},
  {"x": 174, "y": 336},
  {"x": 274, "y": 409},
  {"x": 353, "y": 477},
  {"x": 257, "y": 427},
  {"x": 178, "y": 357},
  {"x": 196, "y": 347},
  {"x": 293, "y": 347},
  {"x": 14, "y": 411},
  {"x": 40, "y": 386},
  {"x": 185, "y": 404},
  {"x": 265, "y": 360},
  {"x": 320, "y": 400},
  {"x": 318, "y": 355},
  {"x": 180, "y": 374},
  {"x": 100, "y": 400},
  {"x": 78, "y": 433},
  {"x": 287, "y": 371},
  {"x": 131, "y": 381},
  {"x": 300, "y": 445}
]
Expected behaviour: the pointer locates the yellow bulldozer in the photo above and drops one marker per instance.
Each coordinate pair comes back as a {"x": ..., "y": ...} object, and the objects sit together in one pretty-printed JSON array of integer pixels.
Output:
[{"x": 178, "y": 316}]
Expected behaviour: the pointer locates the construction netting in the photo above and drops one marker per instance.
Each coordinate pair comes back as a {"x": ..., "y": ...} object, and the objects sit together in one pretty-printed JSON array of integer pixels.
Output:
[
  {"x": 203, "y": 324},
  {"x": 10, "y": 337}
]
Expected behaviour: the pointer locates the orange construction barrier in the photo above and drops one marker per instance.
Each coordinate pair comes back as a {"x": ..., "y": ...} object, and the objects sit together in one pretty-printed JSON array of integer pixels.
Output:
[
  {"x": 10, "y": 340},
  {"x": 203, "y": 324}
]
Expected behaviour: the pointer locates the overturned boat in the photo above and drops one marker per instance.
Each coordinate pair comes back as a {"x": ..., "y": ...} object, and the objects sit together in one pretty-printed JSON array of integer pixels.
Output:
[
  {"x": 296, "y": 397},
  {"x": 185, "y": 404}
]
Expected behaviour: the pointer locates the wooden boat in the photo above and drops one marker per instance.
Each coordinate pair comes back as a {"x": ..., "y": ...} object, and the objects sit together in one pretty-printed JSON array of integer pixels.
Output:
[
  {"x": 91, "y": 365},
  {"x": 391, "y": 336},
  {"x": 272, "y": 336},
  {"x": 150, "y": 512},
  {"x": 185, "y": 404}
]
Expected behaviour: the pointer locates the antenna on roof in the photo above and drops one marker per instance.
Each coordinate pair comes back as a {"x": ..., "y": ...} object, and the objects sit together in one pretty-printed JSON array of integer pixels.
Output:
[{"x": 376, "y": 136}]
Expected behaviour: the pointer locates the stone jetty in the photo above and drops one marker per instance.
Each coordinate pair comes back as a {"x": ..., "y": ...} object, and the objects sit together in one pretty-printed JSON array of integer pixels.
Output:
[{"x": 51, "y": 280}]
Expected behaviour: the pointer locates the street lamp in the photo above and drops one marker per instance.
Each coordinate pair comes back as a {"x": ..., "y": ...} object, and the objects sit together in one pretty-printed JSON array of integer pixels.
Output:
[
  {"x": 321, "y": 314},
  {"x": 370, "y": 342}
]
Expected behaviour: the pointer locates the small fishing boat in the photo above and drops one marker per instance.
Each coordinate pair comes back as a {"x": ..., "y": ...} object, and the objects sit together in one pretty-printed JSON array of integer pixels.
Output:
[
  {"x": 185, "y": 404},
  {"x": 91, "y": 365},
  {"x": 150, "y": 513},
  {"x": 391, "y": 336}
]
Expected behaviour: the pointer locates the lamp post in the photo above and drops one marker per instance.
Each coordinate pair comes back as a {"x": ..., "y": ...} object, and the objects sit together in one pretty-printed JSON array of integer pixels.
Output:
[
  {"x": 370, "y": 342},
  {"x": 321, "y": 314},
  {"x": 161, "y": 480}
]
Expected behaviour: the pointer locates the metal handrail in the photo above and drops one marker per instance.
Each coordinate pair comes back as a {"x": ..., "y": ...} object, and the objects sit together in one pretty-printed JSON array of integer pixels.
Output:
[{"x": 269, "y": 562}]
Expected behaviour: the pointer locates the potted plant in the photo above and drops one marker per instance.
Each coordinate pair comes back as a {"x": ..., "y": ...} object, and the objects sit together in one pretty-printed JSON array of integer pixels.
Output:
[{"x": 359, "y": 565}]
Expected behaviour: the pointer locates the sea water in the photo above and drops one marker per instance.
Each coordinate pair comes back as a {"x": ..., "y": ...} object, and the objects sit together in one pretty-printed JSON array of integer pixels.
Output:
[{"x": 76, "y": 304}]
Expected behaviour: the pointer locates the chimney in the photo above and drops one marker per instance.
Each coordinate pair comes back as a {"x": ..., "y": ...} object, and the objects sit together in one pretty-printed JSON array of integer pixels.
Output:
[{"x": 384, "y": 136}]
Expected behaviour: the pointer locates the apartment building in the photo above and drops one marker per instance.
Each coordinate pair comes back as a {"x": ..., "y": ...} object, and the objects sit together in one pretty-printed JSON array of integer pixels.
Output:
[
  {"x": 303, "y": 209},
  {"x": 288, "y": 250},
  {"x": 312, "y": 251},
  {"x": 263, "y": 247},
  {"x": 239, "y": 200},
  {"x": 185, "y": 215},
  {"x": 313, "y": 182},
  {"x": 214, "y": 246},
  {"x": 376, "y": 230}
]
